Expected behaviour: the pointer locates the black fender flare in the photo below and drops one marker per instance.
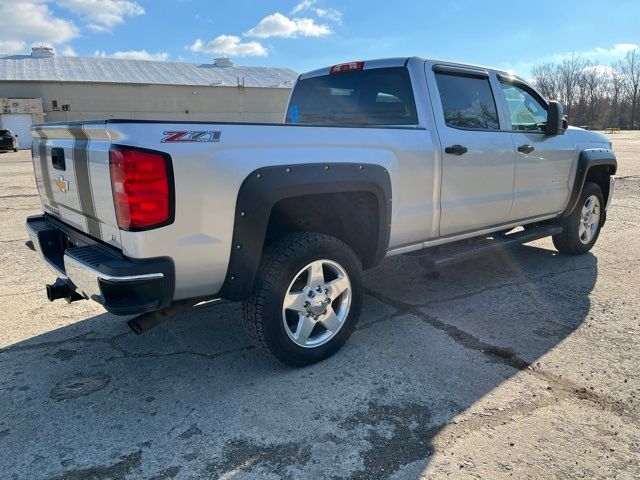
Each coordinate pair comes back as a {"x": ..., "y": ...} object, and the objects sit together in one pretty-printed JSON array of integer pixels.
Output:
[
  {"x": 265, "y": 187},
  {"x": 589, "y": 158}
]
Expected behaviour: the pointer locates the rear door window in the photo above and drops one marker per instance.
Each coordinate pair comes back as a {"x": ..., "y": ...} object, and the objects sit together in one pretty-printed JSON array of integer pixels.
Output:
[
  {"x": 467, "y": 102},
  {"x": 381, "y": 96}
]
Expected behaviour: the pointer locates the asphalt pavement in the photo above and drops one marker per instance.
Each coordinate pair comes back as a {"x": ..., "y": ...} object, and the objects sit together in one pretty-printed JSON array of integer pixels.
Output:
[{"x": 522, "y": 364}]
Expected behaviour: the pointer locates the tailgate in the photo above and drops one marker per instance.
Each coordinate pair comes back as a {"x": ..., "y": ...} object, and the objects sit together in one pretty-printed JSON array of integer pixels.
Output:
[{"x": 71, "y": 163}]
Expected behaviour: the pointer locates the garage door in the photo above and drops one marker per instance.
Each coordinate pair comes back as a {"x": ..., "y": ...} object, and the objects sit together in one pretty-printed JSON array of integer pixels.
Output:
[{"x": 20, "y": 125}]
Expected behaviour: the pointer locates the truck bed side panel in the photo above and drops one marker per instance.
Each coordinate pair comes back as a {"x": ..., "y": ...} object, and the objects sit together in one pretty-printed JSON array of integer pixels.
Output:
[{"x": 208, "y": 176}]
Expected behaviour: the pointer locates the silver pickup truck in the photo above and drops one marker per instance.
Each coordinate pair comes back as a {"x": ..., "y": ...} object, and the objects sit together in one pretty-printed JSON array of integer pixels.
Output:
[{"x": 373, "y": 159}]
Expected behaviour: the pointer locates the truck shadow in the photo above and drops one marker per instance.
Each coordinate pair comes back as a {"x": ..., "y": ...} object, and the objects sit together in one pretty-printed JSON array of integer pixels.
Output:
[{"x": 192, "y": 398}]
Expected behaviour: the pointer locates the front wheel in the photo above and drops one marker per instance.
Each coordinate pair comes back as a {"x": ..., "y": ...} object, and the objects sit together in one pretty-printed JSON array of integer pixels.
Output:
[
  {"x": 582, "y": 227},
  {"x": 306, "y": 300}
]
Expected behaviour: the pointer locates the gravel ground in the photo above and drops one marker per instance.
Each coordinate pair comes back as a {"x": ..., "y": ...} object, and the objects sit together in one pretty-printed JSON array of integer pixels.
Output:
[{"x": 519, "y": 365}]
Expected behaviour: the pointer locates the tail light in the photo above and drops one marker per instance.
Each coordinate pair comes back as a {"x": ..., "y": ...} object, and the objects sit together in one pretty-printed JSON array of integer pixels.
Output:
[
  {"x": 142, "y": 182},
  {"x": 347, "y": 67}
]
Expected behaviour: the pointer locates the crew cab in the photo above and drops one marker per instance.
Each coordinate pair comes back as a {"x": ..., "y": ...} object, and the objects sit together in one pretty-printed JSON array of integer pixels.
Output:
[{"x": 373, "y": 159}]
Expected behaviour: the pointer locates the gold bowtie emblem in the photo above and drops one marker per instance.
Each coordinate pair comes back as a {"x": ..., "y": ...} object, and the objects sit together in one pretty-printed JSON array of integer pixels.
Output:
[{"x": 62, "y": 184}]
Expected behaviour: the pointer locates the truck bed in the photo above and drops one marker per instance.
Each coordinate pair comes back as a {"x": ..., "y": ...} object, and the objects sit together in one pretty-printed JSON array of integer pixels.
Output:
[{"x": 210, "y": 162}]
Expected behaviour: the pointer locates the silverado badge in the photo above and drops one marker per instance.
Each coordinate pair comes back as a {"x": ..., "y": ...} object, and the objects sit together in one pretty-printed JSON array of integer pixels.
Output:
[{"x": 62, "y": 184}]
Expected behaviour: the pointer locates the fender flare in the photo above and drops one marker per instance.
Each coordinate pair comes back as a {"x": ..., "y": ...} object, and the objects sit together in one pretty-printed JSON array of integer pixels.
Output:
[
  {"x": 589, "y": 158},
  {"x": 265, "y": 187}
]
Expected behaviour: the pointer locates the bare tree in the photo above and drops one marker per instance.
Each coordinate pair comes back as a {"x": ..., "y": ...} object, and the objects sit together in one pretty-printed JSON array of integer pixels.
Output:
[
  {"x": 570, "y": 72},
  {"x": 595, "y": 95},
  {"x": 546, "y": 79},
  {"x": 615, "y": 89},
  {"x": 593, "y": 88},
  {"x": 630, "y": 72}
]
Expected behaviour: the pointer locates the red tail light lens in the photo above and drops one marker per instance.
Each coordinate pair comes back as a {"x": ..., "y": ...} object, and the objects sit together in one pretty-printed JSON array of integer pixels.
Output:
[
  {"x": 142, "y": 187},
  {"x": 347, "y": 67}
]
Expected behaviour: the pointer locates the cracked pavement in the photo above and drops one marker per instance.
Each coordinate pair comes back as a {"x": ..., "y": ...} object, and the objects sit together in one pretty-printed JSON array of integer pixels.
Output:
[{"x": 522, "y": 364}]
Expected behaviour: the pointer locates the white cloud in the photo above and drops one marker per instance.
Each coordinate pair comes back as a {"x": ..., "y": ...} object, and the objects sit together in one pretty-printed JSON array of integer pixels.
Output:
[
  {"x": 602, "y": 69},
  {"x": 133, "y": 55},
  {"x": 303, "y": 5},
  {"x": 279, "y": 25},
  {"x": 12, "y": 46},
  {"x": 103, "y": 15},
  {"x": 68, "y": 52},
  {"x": 31, "y": 22},
  {"x": 600, "y": 54},
  {"x": 328, "y": 13},
  {"x": 619, "y": 49},
  {"x": 274, "y": 25},
  {"x": 229, "y": 45}
]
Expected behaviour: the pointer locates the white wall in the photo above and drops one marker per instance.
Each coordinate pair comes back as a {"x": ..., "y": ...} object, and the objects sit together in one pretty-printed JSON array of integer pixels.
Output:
[
  {"x": 156, "y": 102},
  {"x": 20, "y": 125}
]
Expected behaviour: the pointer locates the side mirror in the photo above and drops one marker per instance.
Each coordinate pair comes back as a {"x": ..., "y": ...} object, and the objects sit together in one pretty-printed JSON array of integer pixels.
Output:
[{"x": 557, "y": 122}]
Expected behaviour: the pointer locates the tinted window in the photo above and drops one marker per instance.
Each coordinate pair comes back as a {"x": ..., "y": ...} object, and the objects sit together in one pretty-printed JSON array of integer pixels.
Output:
[
  {"x": 5, "y": 133},
  {"x": 381, "y": 96},
  {"x": 527, "y": 113},
  {"x": 467, "y": 102}
]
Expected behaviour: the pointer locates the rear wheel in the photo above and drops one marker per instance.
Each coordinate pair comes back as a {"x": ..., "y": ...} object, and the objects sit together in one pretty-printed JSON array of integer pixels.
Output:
[
  {"x": 306, "y": 300},
  {"x": 582, "y": 227}
]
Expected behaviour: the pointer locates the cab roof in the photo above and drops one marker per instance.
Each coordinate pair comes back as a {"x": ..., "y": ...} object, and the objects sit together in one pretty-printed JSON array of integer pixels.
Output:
[{"x": 403, "y": 61}]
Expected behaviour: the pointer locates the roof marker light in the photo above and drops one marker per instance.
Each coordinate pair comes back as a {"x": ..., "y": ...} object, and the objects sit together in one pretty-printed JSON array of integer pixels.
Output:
[{"x": 347, "y": 67}]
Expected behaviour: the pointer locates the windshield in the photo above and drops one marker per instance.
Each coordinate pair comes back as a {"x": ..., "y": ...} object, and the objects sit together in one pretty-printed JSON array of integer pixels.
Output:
[
  {"x": 381, "y": 96},
  {"x": 5, "y": 133}
]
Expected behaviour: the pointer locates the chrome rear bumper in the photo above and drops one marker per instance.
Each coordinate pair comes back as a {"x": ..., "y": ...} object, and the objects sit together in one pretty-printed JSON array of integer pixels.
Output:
[{"x": 96, "y": 272}]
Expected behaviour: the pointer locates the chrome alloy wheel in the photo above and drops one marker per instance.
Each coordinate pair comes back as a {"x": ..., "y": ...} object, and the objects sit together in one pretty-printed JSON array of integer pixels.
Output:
[
  {"x": 316, "y": 303},
  {"x": 589, "y": 219}
]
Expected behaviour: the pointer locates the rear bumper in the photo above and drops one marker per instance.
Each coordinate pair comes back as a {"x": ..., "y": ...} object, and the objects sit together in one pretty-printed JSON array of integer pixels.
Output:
[{"x": 123, "y": 286}]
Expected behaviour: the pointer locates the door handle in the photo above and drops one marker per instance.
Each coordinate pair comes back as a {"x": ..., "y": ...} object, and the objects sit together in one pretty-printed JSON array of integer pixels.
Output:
[
  {"x": 526, "y": 148},
  {"x": 455, "y": 150}
]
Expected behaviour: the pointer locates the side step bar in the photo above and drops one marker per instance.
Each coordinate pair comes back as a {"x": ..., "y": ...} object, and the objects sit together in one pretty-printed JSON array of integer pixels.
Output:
[{"x": 445, "y": 255}]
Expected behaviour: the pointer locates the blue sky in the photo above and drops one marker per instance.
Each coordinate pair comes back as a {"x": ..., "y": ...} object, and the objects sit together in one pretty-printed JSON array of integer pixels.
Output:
[{"x": 308, "y": 34}]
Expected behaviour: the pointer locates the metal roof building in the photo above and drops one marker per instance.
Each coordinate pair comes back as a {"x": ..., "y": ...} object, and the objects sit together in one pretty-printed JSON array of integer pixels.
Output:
[
  {"x": 222, "y": 72},
  {"x": 84, "y": 88}
]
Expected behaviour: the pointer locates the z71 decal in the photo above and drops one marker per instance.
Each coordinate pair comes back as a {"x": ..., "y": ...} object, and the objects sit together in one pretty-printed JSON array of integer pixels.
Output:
[{"x": 191, "y": 136}]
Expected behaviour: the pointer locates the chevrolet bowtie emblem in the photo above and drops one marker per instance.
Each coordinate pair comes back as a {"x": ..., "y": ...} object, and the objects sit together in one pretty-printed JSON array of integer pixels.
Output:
[{"x": 62, "y": 184}]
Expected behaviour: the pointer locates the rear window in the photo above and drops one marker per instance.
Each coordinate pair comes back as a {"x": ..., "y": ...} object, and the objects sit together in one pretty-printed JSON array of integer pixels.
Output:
[{"x": 381, "y": 96}]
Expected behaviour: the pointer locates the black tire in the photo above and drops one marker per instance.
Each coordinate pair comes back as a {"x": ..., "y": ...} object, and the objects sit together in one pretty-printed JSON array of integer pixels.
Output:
[
  {"x": 281, "y": 261},
  {"x": 568, "y": 241}
]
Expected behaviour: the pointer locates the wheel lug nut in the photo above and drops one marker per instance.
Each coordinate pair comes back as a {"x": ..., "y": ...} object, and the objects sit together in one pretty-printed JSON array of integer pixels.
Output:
[
  {"x": 319, "y": 288},
  {"x": 306, "y": 304},
  {"x": 326, "y": 291}
]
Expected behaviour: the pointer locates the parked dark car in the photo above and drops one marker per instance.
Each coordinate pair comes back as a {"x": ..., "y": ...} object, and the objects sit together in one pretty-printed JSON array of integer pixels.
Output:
[{"x": 8, "y": 141}]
